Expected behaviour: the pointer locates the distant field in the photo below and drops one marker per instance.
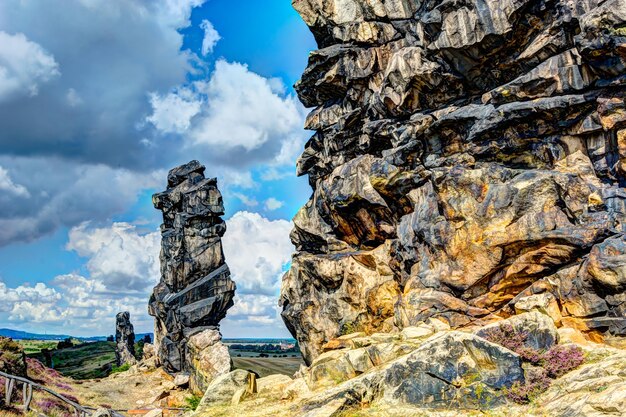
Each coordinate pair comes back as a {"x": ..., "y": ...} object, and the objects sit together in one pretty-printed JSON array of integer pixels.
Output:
[
  {"x": 35, "y": 346},
  {"x": 269, "y": 366},
  {"x": 85, "y": 361}
]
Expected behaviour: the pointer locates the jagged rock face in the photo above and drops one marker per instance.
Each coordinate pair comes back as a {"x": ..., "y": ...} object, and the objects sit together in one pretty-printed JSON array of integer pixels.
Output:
[
  {"x": 124, "y": 339},
  {"x": 195, "y": 290},
  {"x": 466, "y": 155}
]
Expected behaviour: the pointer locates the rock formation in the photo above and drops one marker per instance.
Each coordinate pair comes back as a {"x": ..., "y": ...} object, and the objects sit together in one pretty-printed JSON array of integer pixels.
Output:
[
  {"x": 468, "y": 163},
  {"x": 195, "y": 290},
  {"x": 124, "y": 339}
]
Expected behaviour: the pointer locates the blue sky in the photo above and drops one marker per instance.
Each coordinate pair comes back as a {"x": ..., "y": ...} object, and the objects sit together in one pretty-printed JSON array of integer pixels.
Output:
[{"x": 97, "y": 109}]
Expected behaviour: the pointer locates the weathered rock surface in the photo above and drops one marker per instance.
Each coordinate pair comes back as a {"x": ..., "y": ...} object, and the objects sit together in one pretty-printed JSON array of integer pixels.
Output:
[
  {"x": 229, "y": 388},
  {"x": 538, "y": 328},
  {"x": 124, "y": 339},
  {"x": 195, "y": 290},
  {"x": 430, "y": 370},
  {"x": 466, "y": 156}
]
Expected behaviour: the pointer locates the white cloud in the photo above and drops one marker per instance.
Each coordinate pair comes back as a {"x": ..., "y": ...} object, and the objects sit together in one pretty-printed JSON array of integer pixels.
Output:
[
  {"x": 70, "y": 194},
  {"x": 7, "y": 184},
  {"x": 211, "y": 37},
  {"x": 120, "y": 257},
  {"x": 172, "y": 113},
  {"x": 257, "y": 251},
  {"x": 73, "y": 99},
  {"x": 123, "y": 267},
  {"x": 242, "y": 110},
  {"x": 24, "y": 66},
  {"x": 234, "y": 117},
  {"x": 273, "y": 204},
  {"x": 247, "y": 201}
]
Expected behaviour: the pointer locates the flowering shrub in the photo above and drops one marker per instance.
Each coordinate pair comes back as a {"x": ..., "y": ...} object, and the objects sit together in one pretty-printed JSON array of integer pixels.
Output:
[
  {"x": 505, "y": 335},
  {"x": 537, "y": 381},
  {"x": 554, "y": 363},
  {"x": 561, "y": 359}
]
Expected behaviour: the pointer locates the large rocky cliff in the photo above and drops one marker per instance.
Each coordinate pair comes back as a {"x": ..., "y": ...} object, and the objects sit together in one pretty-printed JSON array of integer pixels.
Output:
[
  {"x": 468, "y": 163},
  {"x": 195, "y": 290}
]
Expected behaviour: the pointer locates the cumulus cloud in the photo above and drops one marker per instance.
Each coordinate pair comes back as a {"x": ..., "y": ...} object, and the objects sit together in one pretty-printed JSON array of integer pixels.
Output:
[
  {"x": 122, "y": 267},
  {"x": 236, "y": 118},
  {"x": 108, "y": 59},
  {"x": 273, "y": 204},
  {"x": 172, "y": 113},
  {"x": 120, "y": 257},
  {"x": 63, "y": 193},
  {"x": 24, "y": 66},
  {"x": 7, "y": 184},
  {"x": 211, "y": 37},
  {"x": 257, "y": 251}
]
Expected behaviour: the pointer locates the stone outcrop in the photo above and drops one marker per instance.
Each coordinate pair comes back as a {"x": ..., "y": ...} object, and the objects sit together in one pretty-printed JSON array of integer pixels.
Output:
[
  {"x": 467, "y": 156},
  {"x": 429, "y": 369},
  {"x": 195, "y": 290},
  {"x": 124, "y": 340}
]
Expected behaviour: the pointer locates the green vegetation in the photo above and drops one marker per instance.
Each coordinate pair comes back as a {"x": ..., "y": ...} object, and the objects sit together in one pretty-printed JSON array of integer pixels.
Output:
[
  {"x": 36, "y": 346},
  {"x": 123, "y": 368},
  {"x": 85, "y": 361},
  {"x": 193, "y": 402}
]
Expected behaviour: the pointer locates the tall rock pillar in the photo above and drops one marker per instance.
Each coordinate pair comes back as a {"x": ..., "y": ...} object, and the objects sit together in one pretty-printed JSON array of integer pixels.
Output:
[
  {"x": 195, "y": 290},
  {"x": 124, "y": 339}
]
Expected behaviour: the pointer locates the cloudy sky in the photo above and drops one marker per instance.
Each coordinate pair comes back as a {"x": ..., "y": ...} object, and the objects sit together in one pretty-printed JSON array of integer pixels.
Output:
[{"x": 98, "y": 99}]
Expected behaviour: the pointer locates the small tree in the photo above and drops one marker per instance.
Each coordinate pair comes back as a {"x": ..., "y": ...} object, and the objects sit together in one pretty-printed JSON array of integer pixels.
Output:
[
  {"x": 111, "y": 338},
  {"x": 147, "y": 339}
]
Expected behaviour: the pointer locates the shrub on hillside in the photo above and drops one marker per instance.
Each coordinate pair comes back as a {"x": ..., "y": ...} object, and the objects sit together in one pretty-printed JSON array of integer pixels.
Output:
[
  {"x": 12, "y": 357},
  {"x": 561, "y": 359},
  {"x": 552, "y": 364}
]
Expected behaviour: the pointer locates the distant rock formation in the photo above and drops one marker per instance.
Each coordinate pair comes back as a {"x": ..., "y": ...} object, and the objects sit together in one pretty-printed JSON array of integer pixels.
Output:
[
  {"x": 467, "y": 155},
  {"x": 124, "y": 339},
  {"x": 195, "y": 290}
]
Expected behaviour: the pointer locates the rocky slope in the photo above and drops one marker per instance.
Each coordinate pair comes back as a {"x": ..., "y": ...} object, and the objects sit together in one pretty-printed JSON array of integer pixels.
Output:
[
  {"x": 195, "y": 290},
  {"x": 468, "y": 164}
]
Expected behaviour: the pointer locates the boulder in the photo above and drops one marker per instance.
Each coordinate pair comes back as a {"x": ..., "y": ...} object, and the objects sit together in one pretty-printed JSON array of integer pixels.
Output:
[
  {"x": 273, "y": 384},
  {"x": 229, "y": 388},
  {"x": 209, "y": 358},
  {"x": 596, "y": 389},
  {"x": 536, "y": 330},
  {"x": 453, "y": 369}
]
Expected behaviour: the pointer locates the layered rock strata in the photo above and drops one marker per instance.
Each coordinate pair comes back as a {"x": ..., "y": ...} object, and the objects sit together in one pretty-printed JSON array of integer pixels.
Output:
[
  {"x": 467, "y": 157},
  {"x": 124, "y": 339},
  {"x": 195, "y": 290}
]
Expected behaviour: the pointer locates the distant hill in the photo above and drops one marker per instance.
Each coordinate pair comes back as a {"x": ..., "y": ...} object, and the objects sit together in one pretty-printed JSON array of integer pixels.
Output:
[{"x": 21, "y": 335}]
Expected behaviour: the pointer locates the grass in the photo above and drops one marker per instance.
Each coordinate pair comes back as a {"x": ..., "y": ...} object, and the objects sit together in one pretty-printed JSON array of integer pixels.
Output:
[
  {"x": 36, "y": 346},
  {"x": 193, "y": 402},
  {"x": 123, "y": 368},
  {"x": 85, "y": 361}
]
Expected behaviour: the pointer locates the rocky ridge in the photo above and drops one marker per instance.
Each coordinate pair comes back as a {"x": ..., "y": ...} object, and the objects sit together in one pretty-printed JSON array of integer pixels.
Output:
[
  {"x": 468, "y": 164},
  {"x": 195, "y": 290}
]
